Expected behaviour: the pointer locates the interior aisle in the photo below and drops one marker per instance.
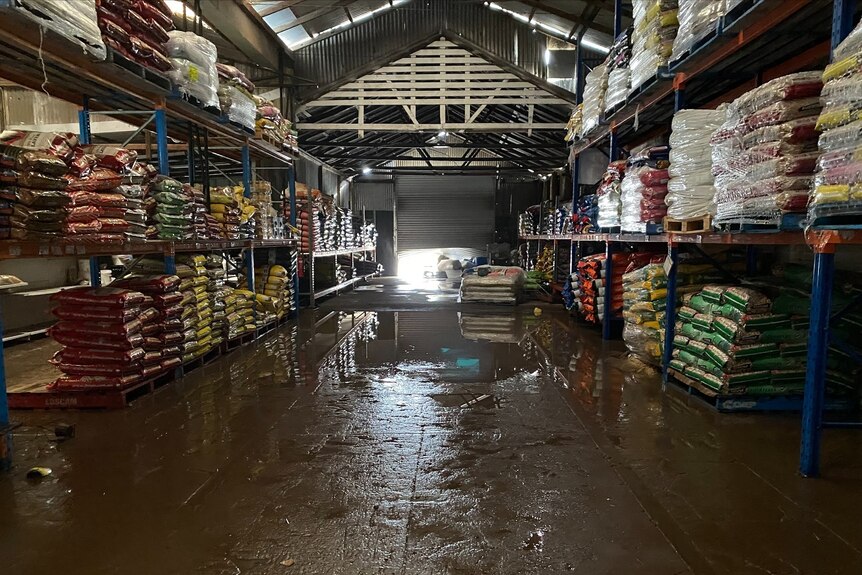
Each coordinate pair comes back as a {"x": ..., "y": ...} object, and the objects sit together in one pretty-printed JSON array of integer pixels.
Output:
[{"x": 426, "y": 441}]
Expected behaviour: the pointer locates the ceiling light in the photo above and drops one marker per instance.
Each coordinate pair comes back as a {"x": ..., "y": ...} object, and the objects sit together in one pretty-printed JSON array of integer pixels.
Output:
[
  {"x": 595, "y": 45},
  {"x": 441, "y": 134},
  {"x": 366, "y": 171},
  {"x": 547, "y": 57}
]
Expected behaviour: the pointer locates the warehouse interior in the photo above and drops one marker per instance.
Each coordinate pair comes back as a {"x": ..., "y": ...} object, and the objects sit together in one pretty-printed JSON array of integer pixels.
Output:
[{"x": 438, "y": 286}]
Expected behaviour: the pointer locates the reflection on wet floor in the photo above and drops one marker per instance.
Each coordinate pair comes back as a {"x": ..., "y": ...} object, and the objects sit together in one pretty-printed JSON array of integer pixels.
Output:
[{"x": 426, "y": 442}]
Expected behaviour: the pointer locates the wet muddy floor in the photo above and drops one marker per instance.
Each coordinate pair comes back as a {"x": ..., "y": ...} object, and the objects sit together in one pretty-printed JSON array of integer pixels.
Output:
[{"x": 426, "y": 442}]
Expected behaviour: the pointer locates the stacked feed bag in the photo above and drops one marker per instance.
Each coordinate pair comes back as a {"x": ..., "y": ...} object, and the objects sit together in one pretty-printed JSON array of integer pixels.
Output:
[
  {"x": 193, "y": 62},
  {"x": 239, "y": 312},
  {"x": 644, "y": 188},
  {"x": 697, "y": 18},
  {"x": 236, "y": 96},
  {"x": 271, "y": 125},
  {"x": 609, "y": 195},
  {"x": 171, "y": 210},
  {"x": 77, "y": 21},
  {"x": 836, "y": 191},
  {"x": 101, "y": 331},
  {"x": 493, "y": 284},
  {"x": 619, "y": 73},
  {"x": 273, "y": 286},
  {"x": 594, "y": 98},
  {"x": 200, "y": 229},
  {"x": 691, "y": 192},
  {"x": 586, "y": 218},
  {"x": 261, "y": 197},
  {"x": 545, "y": 263},
  {"x": 589, "y": 280},
  {"x": 730, "y": 340},
  {"x": 137, "y": 30},
  {"x": 161, "y": 338},
  {"x": 225, "y": 209},
  {"x": 575, "y": 125},
  {"x": 764, "y": 154},
  {"x": 527, "y": 224},
  {"x": 247, "y": 211},
  {"x": 644, "y": 304},
  {"x": 655, "y": 27}
]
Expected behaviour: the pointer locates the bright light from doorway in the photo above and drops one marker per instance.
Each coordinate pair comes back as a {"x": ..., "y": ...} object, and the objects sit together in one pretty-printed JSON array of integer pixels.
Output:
[{"x": 366, "y": 171}]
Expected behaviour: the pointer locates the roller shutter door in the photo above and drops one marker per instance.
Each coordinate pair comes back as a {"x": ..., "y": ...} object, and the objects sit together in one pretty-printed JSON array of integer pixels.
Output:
[{"x": 438, "y": 212}]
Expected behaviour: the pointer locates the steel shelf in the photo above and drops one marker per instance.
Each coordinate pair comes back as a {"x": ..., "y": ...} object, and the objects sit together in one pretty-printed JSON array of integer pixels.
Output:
[
  {"x": 344, "y": 252},
  {"x": 548, "y": 237},
  {"x": 13, "y": 249},
  {"x": 343, "y": 285}
]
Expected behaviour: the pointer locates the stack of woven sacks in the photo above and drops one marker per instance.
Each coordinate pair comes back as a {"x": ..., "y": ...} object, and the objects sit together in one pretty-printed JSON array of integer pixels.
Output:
[
  {"x": 644, "y": 304},
  {"x": 198, "y": 314},
  {"x": 764, "y": 154},
  {"x": 655, "y": 27},
  {"x": 235, "y": 94},
  {"x": 586, "y": 218},
  {"x": 691, "y": 192},
  {"x": 493, "y": 284},
  {"x": 837, "y": 192},
  {"x": 594, "y": 98},
  {"x": 307, "y": 220},
  {"x": 137, "y": 29},
  {"x": 261, "y": 196},
  {"x": 619, "y": 73},
  {"x": 609, "y": 194},
  {"x": 225, "y": 209},
  {"x": 199, "y": 211},
  {"x": 589, "y": 282},
  {"x": 193, "y": 62},
  {"x": 644, "y": 188},
  {"x": 217, "y": 291},
  {"x": 171, "y": 210},
  {"x": 162, "y": 338},
  {"x": 102, "y": 334},
  {"x": 239, "y": 312},
  {"x": 273, "y": 288},
  {"x": 697, "y": 18},
  {"x": 728, "y": 339}
]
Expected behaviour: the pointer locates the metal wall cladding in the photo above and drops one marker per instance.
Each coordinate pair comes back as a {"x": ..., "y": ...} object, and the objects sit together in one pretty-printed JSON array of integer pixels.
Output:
[
  {"x": 372, "y": 196},
  {"x": 330, "y": 181},
  {"x": 358, "y": 50},
  {"x": 308, "y": 172},
  {"x": 439, "y": 212}
]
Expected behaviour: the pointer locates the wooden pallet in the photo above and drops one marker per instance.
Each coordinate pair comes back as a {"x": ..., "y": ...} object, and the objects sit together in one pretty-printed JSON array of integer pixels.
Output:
[{"x": 699, "y": 225}]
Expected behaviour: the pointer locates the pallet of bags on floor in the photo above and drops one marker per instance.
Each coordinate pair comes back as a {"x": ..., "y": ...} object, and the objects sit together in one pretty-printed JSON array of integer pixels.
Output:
[
  {"x": 492, "y": 284},
  {"x": 643, "y": 190},
  {"x": 764, "y": 154},
  {"x": 115, "y": 337},
  {"x": 644, "y": 305},
  {"x": 836, "y": 197},
  {"x": 239, "y": 313},
  {"x": 731, "y": 340},
  {"x": 51, "y": 187},
  {"x": 609, "y": 195},
  {"x": 273, "y": 286}
]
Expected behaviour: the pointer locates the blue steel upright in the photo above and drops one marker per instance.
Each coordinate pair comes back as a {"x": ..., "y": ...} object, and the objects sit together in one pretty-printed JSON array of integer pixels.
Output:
[
  {"x": 162, "y": 141},
  {"x": 818, "y": 350},
  {"x": 670, "y": 311},
  {"x": 84, "y": 122},
  {"x": 5, "y": 436},
  {"x": 246, "y": 171},
  {"x": 842, "y": 20}
]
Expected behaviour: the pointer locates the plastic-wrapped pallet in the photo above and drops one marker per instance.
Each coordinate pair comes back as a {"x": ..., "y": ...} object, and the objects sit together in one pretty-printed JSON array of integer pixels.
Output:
[
  {"x": 697, "y": 18},
  {"x": 74, "y": 20},
  {"x": 655, "y": 27},
  {"x": 691, "y": 192},
  {"x": 836, "y": 192},
  {"x": 644, "y": 188},
  {"x": 194, "y": 66},
  {"x": 594, "y": 98},
  {"x": 237, "y": 106},
  {"x": 609, "y": 195},
  {"x": 729, "y": 339},
  {"x": 644, "y": 304},
  {"x": 763, "y": 154},
  {"x": 575, "y": 125},
  {"x": 619, "y": 73},
  {"x": 493, "y": 284}
]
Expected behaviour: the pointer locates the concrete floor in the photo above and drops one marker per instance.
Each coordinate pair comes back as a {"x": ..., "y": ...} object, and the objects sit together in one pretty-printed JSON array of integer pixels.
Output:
[{"x": 420, "y": 440}]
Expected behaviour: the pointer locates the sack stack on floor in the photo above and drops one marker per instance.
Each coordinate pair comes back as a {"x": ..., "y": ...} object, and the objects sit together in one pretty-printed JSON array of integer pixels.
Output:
[
  {"x": 217, "y": 292},
  {"x": 764, "y": 154},
  {"x": 837, "y": 192},
  {"x": 644, "y": 305},
  {"x": 493, "y": 284},
  {"x": 609, "y": 195},
  {"x": 225, "y": 210},
  {"x": 197, "y": 313},
  {"x": 273, "y": 288},
  {"x": 239, "y": 312},
  {"x": 102, "y": 334},
  {"x": 137, "y": 30},
  {"x": 162, "y": 338},
  {"x": 729, "y": 339},
  {"x": 644, "y": 188},
  {"x": 691, "y": 190}
]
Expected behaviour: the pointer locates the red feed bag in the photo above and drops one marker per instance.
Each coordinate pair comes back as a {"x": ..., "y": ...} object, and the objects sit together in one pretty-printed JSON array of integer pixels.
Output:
[
  {"x": 82, "y": 339},
  {"x": 102, "y": 297},
  {"x": 97, "y": 381},
  {"x": 88, "y": 355}
]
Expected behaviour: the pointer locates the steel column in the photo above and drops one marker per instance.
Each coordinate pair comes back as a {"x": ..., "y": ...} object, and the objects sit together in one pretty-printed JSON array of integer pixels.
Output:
[
  {"x": 618, "y": 18},
  {"x": 95, "y": 276},
  {"x": 607, "y": 290},
  {"x": 842, "y": 20},
  {"x": 249, "y": 269},
  {"x": 5, "y": 433},
  {"x": 678, "y": 99},
  {"x": 170, "y": 265},
  {"x": 815, "y": 376},
  {"x": 750, "y": 260},
  {"x": 84, "y": 122},
  {"x": 162, "y": 141},
  {"x": 246, "y": 171},
  {"x": 670, "y": 310},
  {"x": 614, "y": 152}
]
